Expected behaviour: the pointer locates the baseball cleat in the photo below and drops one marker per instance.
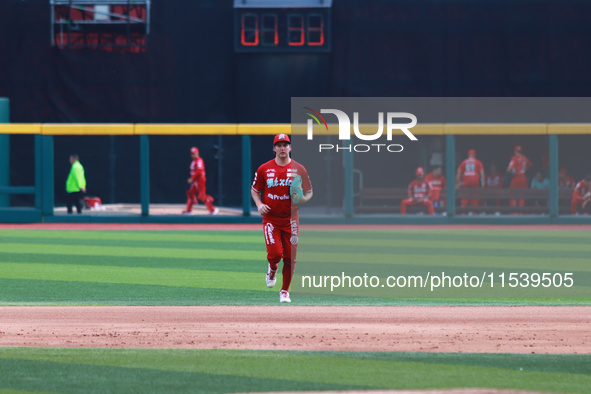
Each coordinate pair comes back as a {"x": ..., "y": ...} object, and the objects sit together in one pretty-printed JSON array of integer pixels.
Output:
[
  {"x": 271, "y": 277},
  {"x": 215, "y": 211},
  {"x": 284, "y": 296}
]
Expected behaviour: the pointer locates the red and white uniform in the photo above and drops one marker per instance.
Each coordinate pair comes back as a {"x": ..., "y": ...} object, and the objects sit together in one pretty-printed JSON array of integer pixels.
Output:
[
  {"x": 281, "y": 224},
  {"x": 469, "y": 171},
  {"x": 437, "y": 184},
  {"x": 418, "y": 189},
  {"x": 198, "y": 188},
  {"x": 581, "y": 189},
  {"x": 519, "y": 165}
]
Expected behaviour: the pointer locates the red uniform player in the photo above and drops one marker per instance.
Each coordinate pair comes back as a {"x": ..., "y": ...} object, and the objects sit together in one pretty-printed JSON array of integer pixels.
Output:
[
  {"x": 565, "y": 181},
  {"x": 198, "y": 189},
  {"x": 271, "y": 194},
  {"x": 419, "y": 192},
  {"x": 518, "y": 167},
  {"x": 581, "y": 195},
  {"x": 470, "y": 175},
  {"x": 437, "y": 183}
]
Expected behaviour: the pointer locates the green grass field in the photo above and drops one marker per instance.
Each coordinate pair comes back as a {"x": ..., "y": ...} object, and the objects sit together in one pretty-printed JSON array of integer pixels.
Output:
[{"x": 39, "y": 267}]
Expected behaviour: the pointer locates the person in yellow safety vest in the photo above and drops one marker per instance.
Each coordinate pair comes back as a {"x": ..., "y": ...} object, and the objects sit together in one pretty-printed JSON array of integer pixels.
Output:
[{"x": 75, "y": 185}]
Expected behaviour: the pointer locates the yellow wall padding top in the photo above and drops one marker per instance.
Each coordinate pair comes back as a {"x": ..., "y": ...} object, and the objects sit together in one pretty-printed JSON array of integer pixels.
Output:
[
  {"x": 20, "y": 128},
  {"x": 494, "y": 128},
  {"x": 277, "y": 128},
  {"x": 264, "y": 128},
  {"x": 569, "y": 128},
  {"x": 87, "y": 128},
  {"x": 187, "y": 128}
]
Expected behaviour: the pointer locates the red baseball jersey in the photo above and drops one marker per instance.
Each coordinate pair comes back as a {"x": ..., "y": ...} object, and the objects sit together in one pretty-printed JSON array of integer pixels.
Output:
[
  {"x": 581, "y": 189},
  {"x": 520, "y": 164},
  {"x": 197, "y": 169},
  {"x": 567, "y": 183},
  {"x": 437, "y": 184},
  {"x": 469, "y": 170},
  {"x": 273, "y": 182},
  {"x": 419, "y": 189},
  {"x": 494, "y": 181}
]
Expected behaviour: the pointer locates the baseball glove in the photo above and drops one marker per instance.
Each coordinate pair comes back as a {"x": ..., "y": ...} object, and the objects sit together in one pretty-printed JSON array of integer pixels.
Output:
[{"x": 295, "y": 190}]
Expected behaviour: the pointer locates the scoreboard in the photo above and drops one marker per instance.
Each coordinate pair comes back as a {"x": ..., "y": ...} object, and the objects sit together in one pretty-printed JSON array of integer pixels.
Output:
[{"x": 282, "y": 26}]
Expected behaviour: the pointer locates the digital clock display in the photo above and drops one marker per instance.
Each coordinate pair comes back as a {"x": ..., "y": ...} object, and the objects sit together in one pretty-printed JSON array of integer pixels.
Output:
[{"x": 282, "y": 29}]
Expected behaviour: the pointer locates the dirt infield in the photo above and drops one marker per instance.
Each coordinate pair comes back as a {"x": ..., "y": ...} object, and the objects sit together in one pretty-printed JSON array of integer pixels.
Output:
[{"x": 288, "y": 327}]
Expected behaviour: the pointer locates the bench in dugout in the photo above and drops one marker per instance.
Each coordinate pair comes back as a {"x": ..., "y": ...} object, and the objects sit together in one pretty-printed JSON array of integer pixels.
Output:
[
  {"x": 387, "y": 200},
  {"x": 536, "y": 201}
]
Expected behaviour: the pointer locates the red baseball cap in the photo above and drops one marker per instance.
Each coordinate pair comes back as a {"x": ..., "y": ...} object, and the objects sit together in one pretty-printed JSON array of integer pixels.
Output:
[
  {"x": 517, "y": 148},
  {"x": 472, "y": 152},
  {"x": 195, "y": 150},
  {"x": 420, "y": 171},
  {"x": 281, "y": 138}
]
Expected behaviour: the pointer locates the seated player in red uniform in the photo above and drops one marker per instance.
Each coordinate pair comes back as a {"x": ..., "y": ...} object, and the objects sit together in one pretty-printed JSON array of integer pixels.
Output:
[
  {"x": 581, "y": 196},
  {"x": 419, "y": 193},
  {"x": 470, "y": 175},
  {"x": 437, "y": 183}
]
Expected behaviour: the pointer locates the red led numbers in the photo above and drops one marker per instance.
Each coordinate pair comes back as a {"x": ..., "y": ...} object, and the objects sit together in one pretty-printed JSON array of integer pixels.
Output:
[
  {"x": 315, "y": 30},
  {"x": 295, "y": 30},
  {"x": 282, "y": 30},
  {"x": 249, "y": 34},
  {"x": 269, "y": 30}
]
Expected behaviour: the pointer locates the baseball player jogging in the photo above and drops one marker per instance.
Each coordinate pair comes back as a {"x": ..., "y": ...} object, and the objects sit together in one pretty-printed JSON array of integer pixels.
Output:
[
  {"x": 279, "y": 187},
  {"x": 197, "y": 181}
]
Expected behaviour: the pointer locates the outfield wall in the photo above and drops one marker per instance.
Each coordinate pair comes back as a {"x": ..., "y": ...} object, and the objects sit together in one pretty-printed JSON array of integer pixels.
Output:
[{"x": 43, "y": 188}]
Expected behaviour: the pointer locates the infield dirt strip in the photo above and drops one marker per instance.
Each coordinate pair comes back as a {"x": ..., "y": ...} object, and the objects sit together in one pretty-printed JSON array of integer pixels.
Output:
[{"x": 288, "y": 327}]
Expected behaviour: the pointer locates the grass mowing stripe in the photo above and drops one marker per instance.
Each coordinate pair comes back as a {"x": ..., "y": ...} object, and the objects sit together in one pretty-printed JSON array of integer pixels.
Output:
[
  {"x": 145, "y": 251},
  {"x": 241, "y": 236},
  {"x": 129, "y": 275},
  {"x": 319, "y": 368},
  {"x": 194, "y": 245},
  {"x": 490, "y": 244},
  {"x": 567, "y": 363},
  {"x": 169, "y": 235},
  {"x": 476, "y": 257},
  {"x": 469, "y": 236},
  {"x": 45, "y": 292},
  {"x": 117, "y": 251},
  {"x": 148, "y": 262},
  {"x": 362, "y": 245},
  {"x": 71, "y": 378},
  {"x": 473, "y": 260},
  {"x": 498, "y": 253}
]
